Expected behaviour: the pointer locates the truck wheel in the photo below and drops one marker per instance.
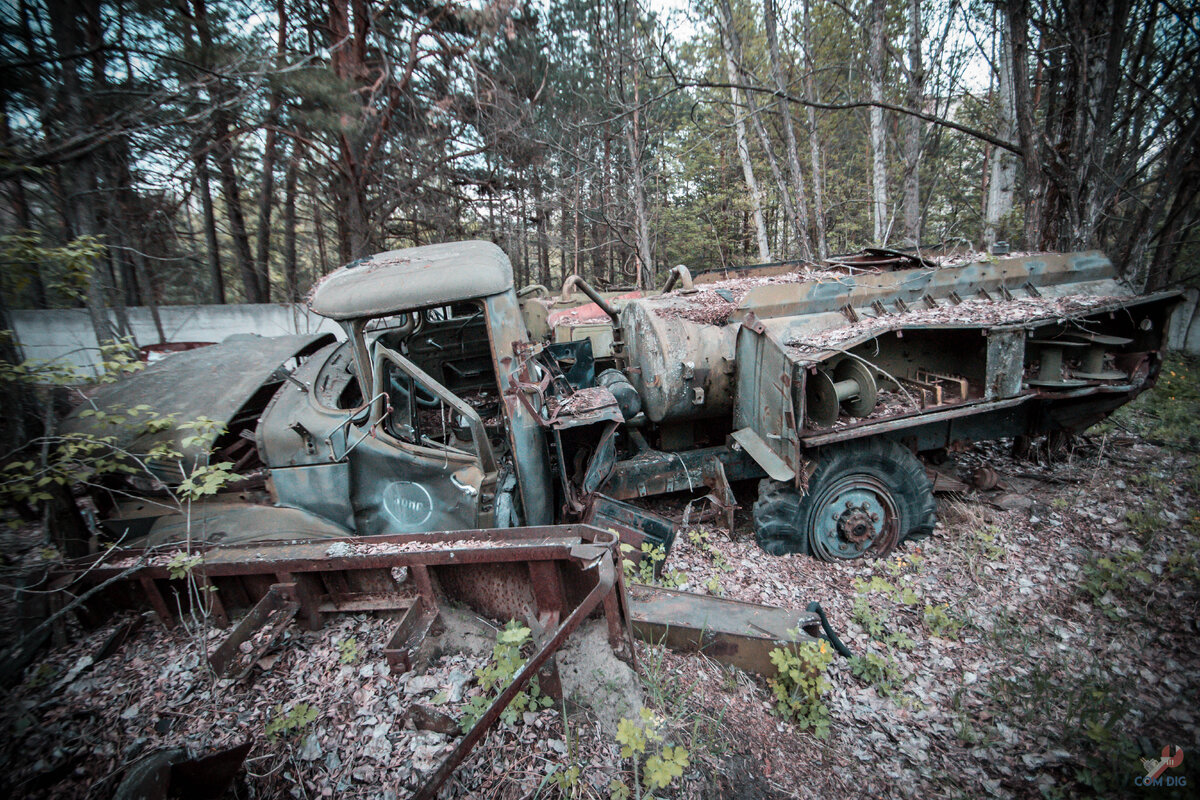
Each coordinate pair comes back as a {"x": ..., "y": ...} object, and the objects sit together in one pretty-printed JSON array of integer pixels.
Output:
[{"x": 863, "y": 498}]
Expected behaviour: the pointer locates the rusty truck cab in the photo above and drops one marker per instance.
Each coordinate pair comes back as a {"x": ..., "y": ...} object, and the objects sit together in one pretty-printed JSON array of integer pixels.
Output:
[{"x": 415, "y": 416}]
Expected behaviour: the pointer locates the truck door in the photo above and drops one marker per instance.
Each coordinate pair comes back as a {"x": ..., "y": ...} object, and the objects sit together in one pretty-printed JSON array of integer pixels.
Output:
[{"x": 424, "y": 462}]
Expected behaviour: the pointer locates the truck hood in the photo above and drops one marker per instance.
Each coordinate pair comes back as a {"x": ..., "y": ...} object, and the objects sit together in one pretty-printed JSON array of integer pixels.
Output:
[{"x": 225, "y": 383}]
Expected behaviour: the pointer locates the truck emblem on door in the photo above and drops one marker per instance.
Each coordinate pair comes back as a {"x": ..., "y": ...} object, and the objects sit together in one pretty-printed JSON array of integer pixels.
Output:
[{"x": 408, "y": 503}]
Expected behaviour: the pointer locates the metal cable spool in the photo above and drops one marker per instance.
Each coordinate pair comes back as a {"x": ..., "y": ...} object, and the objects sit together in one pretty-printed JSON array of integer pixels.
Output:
[
  {"x": 852, "y": 384},
  {"x": 1050, "y": 373},
  {"x": 1091, "y": 366}
]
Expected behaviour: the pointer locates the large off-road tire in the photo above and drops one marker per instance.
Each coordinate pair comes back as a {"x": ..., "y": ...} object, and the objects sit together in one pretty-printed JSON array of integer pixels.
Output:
[{"x": 863, "y": 498}]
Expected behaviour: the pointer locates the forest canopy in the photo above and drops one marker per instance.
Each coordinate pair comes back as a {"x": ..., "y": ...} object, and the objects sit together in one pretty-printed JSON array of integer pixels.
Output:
[{"x": 214, "y": 151}]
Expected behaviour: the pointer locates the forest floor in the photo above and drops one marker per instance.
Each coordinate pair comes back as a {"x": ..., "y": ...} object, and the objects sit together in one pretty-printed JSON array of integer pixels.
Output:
[{"x": 1040, "y": 644}]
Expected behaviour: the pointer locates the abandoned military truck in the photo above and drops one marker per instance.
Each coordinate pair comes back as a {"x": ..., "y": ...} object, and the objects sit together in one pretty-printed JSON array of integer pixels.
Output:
[{"x": 440, "y": 412}]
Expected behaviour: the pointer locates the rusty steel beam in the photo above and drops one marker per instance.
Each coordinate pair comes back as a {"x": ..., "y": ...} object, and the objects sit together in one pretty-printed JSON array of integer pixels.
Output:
[
  {"x": 274, "y": 611},
  {"x": 592, "y": 557},
  {"x": 729, "y": 631}
]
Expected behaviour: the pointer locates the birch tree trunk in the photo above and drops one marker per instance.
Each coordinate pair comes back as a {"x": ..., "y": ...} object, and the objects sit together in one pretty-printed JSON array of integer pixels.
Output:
[
  {"x": 804, "y": 239},
  {"x": 913, "y": 128},
  {"x": 734, "y": 52},
  {"x": 743, "y": 144},
  {"x": 879, "y": 201},
  {"x": 814, "y": 140}
]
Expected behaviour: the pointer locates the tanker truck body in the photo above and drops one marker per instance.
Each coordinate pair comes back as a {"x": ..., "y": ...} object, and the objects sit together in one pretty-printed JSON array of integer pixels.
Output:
[{"x": 454, "y": 403}]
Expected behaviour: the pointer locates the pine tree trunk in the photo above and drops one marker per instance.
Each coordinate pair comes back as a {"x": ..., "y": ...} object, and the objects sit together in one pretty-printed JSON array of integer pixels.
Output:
[
  {"x": 212, "y": 244},
  {"x": 289, "y": 226}
]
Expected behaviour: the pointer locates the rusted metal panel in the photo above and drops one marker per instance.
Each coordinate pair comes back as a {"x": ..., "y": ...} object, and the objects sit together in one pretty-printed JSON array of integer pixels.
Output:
[
  {"x": 272, "y": 614},
  {"x": 401, "y": 280},
  {"x": 634, "y": 525},
  {"x": 656, "y": 472},
  {"x": 412, "y": 629},
  {"x": 605, "y": 580},
  {"x": 184, "y": 384},
  {"x": 729, "y": 631},
  {"x": 765, "y": 404}
]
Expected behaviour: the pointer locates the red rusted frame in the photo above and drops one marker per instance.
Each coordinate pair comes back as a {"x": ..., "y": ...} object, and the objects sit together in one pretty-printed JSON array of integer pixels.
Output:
[
  {"x": 301, "y": 562},
  {"x": 607, "y": 576},
  {"x": 277, "y": 608}
]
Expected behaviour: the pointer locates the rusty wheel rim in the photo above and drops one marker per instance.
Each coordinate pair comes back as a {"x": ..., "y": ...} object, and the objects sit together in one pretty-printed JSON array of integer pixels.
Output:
[{"x": 853, "y": 516}]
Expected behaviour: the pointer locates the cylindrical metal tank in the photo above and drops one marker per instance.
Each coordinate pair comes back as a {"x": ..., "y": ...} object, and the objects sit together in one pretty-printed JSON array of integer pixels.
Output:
[{"x": 683, "y": 370}]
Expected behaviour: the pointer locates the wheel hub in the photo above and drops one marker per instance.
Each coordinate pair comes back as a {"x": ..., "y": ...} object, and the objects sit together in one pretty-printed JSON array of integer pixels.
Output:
[
  {"x": 857, "y": 524},
  {"x": 858, "y": 514}
]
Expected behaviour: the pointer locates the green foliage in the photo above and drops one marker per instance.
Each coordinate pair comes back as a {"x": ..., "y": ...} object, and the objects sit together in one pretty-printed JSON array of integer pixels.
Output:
[
  {"x": 181, "y": 564},
  {"x": 656, "y": 764},
  {"x": 567, "y": 779},
  {"x": 295, "y": 720},
  {"x": 649, "y": 569},
  {"x": 878, "y": 671},
  {"x": 874, "y": 622},
  {"x": 941, "y": 623},
  {"x": 1167, "y": 414},
  {"x": 495, "y": 676},
  {"x": 206, "y": 480},
  {"x": 1144, "y": 523},
  {"x": 65, "y": 270},
  {"x": 703, "y": 541},
  {"x": 348, "y": 650},
  {"x": 801, "y": 683},
  {"x": 1109, "y": 579}
]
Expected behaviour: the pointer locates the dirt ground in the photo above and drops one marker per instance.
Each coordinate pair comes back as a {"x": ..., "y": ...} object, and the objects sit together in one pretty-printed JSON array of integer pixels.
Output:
[{"x": 1040, "y": 644}]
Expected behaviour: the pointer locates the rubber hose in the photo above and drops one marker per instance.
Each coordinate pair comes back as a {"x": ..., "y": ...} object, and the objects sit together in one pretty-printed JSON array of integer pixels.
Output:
[{"x": 844, "y": 651}]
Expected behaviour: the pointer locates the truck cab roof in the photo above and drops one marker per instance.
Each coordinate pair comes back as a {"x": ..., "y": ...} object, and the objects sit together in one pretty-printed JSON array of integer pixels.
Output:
[{"x": 415, "y": 277}]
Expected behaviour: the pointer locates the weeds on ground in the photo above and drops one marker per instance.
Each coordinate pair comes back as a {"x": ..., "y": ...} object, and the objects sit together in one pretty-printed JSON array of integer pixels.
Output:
[
  {"x": 656, "y": 764},
  {"x": 702, "y": 540},
  {"x": 801, "y": 684},
  {"x": 294, "y": 720},
  {"x": 878, "y": 671},
  {"x": 1166, "y": 415},
  {"x": 495, "y": 676},
  {"x": 648, "y": 569}
]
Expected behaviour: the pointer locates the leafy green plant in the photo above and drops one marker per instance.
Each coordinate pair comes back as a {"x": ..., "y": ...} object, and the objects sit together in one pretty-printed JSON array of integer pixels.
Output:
[
  {"x": 878, "y": 671},
  {"x": 495, "y": 676},
  {"x": 294, "y": 720},
  {"x": 181, "y": 564},
  {"x": 206, "y": 480},
  {"x": 656, "y": 764},
  {"x": 703, "y": 541},
  {"x": 941, "y": 623},
  {"x": 874, "y": 621},
  {"x": 1107, "y": 579},
  {"x": 648, "y": 569},
  {"x": 801, "y": 683},
  {"x": 348, "y": 650}
]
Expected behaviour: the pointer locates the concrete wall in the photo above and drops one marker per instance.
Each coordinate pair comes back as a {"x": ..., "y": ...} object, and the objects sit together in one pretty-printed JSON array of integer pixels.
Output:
[
  {"x": 1184, "y": 331},
  {"x": 67, "y": 333}
]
